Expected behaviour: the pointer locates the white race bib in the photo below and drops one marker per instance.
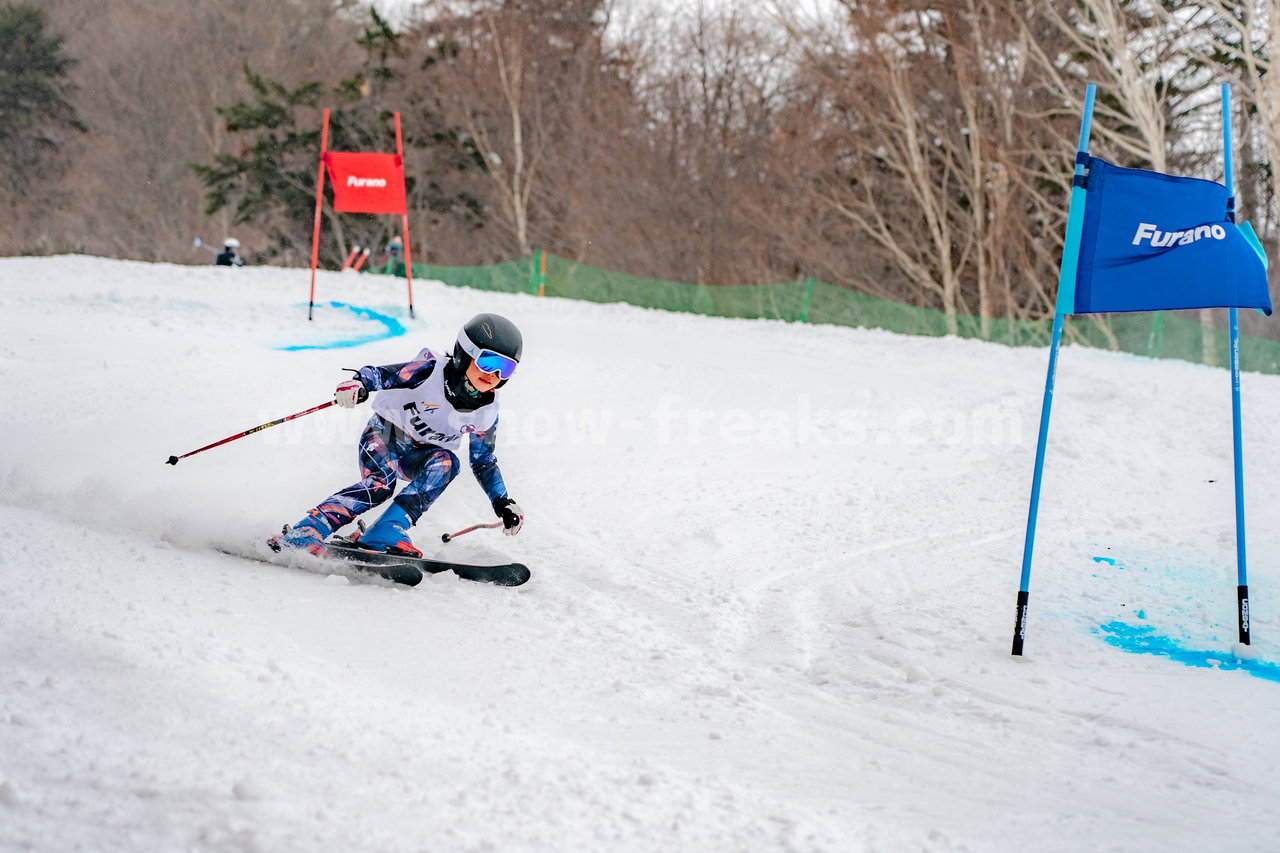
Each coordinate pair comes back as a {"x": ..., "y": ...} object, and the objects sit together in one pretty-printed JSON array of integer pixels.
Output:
[{"x": 425, "y": 414}]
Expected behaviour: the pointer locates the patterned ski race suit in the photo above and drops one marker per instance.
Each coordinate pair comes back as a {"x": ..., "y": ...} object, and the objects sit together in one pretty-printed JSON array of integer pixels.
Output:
[{"x": 413, "y": 436}]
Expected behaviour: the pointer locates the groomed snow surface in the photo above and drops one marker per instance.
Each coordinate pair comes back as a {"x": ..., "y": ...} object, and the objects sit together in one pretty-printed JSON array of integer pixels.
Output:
[{"x": 775, "y": 571}]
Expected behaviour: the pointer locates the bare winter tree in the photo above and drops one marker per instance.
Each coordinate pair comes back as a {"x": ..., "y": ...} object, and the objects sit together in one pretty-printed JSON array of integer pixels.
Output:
[
  {"x": 929, "y": 133},
  {"x": 37, "y": 118},
  {"x": 495, "y": 70},
  {"x": 149, "y": 78},
  {"x": 713, "y": 93},
  {"x": 1239, "y": 43},
  {"x": 512, "y": 145},
  {"x": 1154, "y": 90},
  {"x": 1125, "y": 50}
]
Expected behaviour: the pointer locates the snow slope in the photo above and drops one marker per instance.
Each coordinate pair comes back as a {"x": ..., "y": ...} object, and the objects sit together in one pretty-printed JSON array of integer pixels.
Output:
[{"x": 775, "y": 568}]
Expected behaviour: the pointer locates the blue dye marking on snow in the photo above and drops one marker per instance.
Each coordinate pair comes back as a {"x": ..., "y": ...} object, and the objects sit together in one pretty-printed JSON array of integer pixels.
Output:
[
  {"x": 391, "y": 328},
  {"x": 1143, "y": 640}
]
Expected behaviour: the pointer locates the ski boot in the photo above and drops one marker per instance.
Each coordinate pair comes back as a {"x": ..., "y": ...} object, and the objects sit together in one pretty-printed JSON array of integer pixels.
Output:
[
  {"x": 389, "y": 534},
  {"x": 307, "y": 535}
]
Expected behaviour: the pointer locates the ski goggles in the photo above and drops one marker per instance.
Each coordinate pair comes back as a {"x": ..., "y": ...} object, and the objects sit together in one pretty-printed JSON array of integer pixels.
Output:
[
  {"x": 495, "y": 362},
  {"x": 488, "y": 360}
]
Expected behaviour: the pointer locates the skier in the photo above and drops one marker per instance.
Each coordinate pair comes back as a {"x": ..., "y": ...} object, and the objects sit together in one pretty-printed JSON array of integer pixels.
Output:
[
  {"x": 228, "y": 257},
  {"x": 421, "y": 411}
]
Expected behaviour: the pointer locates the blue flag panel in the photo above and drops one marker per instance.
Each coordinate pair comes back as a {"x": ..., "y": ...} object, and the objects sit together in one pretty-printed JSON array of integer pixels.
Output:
[{"x": 1155, "y": 242}]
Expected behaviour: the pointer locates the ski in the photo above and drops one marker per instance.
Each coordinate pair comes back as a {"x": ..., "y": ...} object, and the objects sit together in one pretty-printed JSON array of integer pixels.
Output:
[
  {"x": 397, "y": 571},
  {"x": 504, "y": 574}
]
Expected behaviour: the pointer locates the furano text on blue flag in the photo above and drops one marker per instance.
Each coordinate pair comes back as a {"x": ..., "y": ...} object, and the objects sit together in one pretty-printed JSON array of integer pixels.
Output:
[{"x": 1148, "y": 232}]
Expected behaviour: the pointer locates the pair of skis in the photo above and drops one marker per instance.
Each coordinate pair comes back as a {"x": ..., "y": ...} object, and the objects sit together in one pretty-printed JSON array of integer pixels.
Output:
[
  {"x": 408, "y": 570},
  {"x": 346, "y": 557}
]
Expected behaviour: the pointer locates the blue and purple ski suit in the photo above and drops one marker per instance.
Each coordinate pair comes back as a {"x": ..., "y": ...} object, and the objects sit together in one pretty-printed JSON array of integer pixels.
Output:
[{"x": 412, "y": 437}]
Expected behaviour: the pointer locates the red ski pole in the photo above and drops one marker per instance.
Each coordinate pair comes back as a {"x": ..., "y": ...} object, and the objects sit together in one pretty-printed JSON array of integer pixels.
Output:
[
  {"x": 173, "y": 460},
  {"x": 445, "y": 537}
]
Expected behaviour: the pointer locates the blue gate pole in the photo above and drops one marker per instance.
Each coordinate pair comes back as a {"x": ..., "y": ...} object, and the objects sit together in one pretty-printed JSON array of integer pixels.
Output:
[
  {"x": 1242, "y": 574},
  {"x": 1065, "y": 305},
  {"x": 1242, "y": 577}
]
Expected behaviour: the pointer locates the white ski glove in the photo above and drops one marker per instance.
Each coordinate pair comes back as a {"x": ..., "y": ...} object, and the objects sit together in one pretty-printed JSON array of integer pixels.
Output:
[
  {"x": 510, "y": 513},
  {"x": 350, "y": 392}
]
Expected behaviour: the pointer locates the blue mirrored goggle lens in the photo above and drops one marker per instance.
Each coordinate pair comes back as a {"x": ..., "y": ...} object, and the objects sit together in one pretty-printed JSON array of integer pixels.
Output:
[{"x": 492, "y": 362}]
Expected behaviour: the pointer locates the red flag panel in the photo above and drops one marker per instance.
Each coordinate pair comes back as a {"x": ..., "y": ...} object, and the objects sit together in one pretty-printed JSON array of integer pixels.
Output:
[{"x": 366, "y": 183}]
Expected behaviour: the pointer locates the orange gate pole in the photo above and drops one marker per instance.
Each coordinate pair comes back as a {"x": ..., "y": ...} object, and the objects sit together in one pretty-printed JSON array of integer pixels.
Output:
[
  {"x": 404, "y": 220},
  {"x": 315, "y": 234}
]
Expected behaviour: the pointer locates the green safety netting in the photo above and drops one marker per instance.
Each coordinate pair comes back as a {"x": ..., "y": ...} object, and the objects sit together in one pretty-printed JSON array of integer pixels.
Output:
[{"x": 1157, "y": 334}]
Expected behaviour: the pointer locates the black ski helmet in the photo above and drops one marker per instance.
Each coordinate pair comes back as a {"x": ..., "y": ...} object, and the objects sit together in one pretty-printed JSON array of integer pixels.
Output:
[{"x": 486, "y": 331}]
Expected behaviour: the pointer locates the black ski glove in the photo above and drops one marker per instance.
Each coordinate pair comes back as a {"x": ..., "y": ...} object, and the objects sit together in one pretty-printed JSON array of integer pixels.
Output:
[{"x": 510, "y": 513}]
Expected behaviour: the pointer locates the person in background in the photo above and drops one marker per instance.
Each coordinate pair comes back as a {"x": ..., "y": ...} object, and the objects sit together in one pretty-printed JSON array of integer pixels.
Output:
[
  {"x": 395, "y": 253},
  {"x": 228, "y": 257}
]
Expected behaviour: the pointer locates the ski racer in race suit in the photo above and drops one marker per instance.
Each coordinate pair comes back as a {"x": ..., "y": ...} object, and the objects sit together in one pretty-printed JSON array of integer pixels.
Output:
[{"x": 422, "y": 411}]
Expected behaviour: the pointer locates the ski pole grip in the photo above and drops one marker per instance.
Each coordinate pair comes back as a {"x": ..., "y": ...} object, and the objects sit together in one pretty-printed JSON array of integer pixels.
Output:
[{"x": 445, "y": 537}]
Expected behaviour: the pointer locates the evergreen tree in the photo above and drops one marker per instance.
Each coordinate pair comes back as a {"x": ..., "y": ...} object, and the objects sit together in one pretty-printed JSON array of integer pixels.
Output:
[
  {"x": 271, "y": 181},
  {"x": 36, "y": 111}
]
